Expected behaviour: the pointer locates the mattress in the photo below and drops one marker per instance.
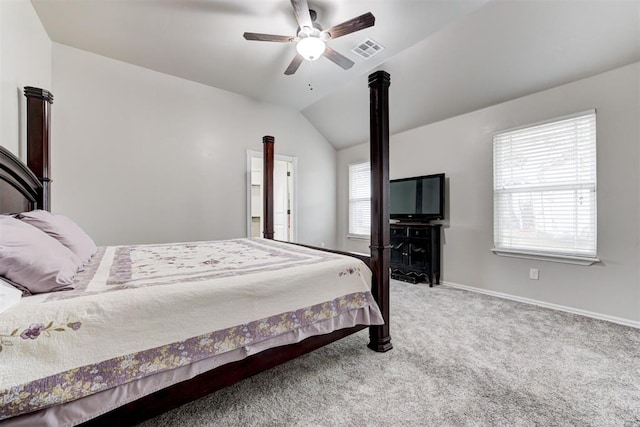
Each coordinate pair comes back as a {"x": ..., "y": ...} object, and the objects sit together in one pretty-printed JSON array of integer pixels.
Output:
[{"x": 144, "y": 317}]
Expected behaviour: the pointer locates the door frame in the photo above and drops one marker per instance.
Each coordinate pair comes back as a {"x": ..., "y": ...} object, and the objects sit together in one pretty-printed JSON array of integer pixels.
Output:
[{"x": 251, "y": 154}]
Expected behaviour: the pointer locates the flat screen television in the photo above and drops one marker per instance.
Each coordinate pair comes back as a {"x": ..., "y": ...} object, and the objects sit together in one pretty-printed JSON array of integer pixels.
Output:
[{"x": 419, "y": 198}]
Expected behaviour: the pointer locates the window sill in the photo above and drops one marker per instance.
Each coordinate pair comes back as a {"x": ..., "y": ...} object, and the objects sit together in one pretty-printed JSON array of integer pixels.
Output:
[
  {"x": 566, "y": 259},
  {"x": 359, "y": 236}
]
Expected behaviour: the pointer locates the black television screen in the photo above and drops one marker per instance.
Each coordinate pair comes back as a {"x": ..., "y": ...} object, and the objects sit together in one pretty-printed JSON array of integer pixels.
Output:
[{"x": 419, "y": 198}]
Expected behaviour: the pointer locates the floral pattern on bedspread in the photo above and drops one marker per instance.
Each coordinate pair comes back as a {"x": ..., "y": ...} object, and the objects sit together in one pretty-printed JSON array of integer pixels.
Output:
[
  {"x": 36, "y": 330},
  {"x": 86, "y": 380},
  {"x": 152, "y": 265},
  {"x": 165, "y": 264}
]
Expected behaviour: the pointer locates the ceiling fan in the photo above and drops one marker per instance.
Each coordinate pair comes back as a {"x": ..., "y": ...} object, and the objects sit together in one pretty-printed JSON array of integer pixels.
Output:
[{"x": 311, "y": 39}]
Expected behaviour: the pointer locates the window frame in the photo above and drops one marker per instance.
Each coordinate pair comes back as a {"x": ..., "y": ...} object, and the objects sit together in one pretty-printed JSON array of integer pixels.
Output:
[
  {"x": 350, "y": 200},
  {"x": 546, "y": 255}
]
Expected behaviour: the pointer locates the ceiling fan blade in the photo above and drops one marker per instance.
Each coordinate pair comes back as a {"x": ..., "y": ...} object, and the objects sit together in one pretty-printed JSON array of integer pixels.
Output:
[
  {"x": 295, "y": 64},
  {"x": 339, "y": 59},
  {"x": 268, "y": 37},
  {"x": 301, "y": 9},
  {"x": 352, "y": 25}
]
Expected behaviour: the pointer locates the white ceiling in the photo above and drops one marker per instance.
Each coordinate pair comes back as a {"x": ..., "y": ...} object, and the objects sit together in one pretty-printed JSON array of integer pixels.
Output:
[{"x": 445, "y": 57}]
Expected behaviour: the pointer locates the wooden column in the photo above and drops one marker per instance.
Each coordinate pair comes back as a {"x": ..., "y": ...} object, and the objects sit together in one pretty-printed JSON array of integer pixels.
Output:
[
  {"x": 38, "y": 127},
  {"x": 379, "y": 336},
  {"x": 267, "y": 190}
]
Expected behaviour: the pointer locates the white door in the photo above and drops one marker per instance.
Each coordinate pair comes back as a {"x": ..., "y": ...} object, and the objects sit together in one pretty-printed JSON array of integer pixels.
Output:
[
  {"x": 255, "y": 200},
  {"x": 283, "y": 195},
  {"x": 281, "y": 200}
]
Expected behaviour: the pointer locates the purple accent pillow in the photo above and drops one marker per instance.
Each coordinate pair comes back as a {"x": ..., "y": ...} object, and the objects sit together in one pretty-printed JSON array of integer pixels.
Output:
[
  {"x": 34, "y": 260},
  {"x": 63, "y": 230}
]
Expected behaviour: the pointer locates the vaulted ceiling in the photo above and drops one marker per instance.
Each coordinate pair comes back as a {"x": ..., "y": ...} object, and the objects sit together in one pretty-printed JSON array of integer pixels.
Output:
[{"x": 445, "y": 57}]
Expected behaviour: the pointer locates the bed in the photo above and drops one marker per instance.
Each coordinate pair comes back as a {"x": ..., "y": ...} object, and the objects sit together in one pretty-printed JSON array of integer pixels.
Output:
[{"x": 166, "y": 324}]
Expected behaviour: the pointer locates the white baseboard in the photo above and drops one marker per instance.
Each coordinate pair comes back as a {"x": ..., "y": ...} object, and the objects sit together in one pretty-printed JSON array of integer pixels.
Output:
[{"x": 619, "y": 320}]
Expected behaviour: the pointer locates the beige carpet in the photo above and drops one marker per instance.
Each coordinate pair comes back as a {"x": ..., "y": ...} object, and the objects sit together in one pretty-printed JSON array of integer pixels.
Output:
[{"x": 459, "y": 359}]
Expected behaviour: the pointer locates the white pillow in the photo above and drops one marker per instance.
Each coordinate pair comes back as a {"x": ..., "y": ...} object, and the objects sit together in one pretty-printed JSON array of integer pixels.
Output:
[{"x": 9, "y": 296}]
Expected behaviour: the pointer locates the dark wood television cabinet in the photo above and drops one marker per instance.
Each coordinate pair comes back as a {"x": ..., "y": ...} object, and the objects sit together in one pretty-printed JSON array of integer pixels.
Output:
[{"x": 415, "y": 252}]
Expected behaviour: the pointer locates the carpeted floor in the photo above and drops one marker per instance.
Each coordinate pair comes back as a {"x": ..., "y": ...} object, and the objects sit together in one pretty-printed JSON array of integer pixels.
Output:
[{"x": 459, "y": 358}]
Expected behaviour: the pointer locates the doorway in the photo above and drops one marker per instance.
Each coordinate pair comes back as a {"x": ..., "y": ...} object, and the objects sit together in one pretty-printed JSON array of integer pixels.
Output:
[{"x": 284, "y": 207}]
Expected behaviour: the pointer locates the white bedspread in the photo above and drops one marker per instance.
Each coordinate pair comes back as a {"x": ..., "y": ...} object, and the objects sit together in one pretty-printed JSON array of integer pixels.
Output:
[{"x": 139, "y": 310}]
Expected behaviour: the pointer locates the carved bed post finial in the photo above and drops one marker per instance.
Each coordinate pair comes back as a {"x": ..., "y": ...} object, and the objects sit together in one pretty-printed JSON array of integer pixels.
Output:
[
  {"x": 379, "y": 336},
  {"x": 267, "y": 208},
  {"x": 38, "y": 146}
]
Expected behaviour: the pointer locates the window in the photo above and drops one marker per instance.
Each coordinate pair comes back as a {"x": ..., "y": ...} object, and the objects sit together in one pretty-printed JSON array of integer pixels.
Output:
[
  {"x": 360, "y": 199},
  {"x": 544, "y": 190}
]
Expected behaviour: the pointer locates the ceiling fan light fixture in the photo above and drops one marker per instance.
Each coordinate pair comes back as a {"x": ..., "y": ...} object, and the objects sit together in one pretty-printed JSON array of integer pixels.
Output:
[{"x": 311, "y": 48}]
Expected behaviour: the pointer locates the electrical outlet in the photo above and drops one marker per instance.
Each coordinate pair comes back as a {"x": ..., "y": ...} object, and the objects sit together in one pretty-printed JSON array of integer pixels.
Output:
[{"x": 533, "y": 274}]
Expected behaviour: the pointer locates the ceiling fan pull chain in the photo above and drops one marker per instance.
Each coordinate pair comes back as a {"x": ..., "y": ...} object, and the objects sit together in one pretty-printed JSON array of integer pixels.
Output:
[{"x": 310, "y": 84}]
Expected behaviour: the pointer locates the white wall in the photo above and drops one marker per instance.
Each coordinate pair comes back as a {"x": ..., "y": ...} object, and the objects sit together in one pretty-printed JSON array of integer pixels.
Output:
[
  {"x": 25, "y": 60},
  {"x": 462, "y": 148},
  {"x": 141, "y": 157}
]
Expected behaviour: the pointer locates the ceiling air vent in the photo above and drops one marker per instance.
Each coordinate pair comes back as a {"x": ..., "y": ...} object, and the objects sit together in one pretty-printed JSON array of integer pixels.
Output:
[{"x": 367, "y": 49}]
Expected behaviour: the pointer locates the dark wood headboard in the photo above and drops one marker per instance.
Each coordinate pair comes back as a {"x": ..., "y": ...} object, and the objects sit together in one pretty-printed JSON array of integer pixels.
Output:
[
  {"x": 25, "y": 187},
  {"x": 20, "y": 189},
  {"x": 38, "y": 139}
]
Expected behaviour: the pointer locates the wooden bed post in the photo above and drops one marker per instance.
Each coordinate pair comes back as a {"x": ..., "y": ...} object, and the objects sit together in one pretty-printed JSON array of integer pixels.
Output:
[
  {"x": 38, "y": 127},
  {"x": 267, "y": 190},
  {"x": 379, "y": 336}
]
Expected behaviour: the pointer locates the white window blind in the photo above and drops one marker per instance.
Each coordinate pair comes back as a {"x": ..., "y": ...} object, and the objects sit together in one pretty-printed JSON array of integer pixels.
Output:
[
  {"x": 545, "y": 188},
  {"x": 360, "y": 198}
]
